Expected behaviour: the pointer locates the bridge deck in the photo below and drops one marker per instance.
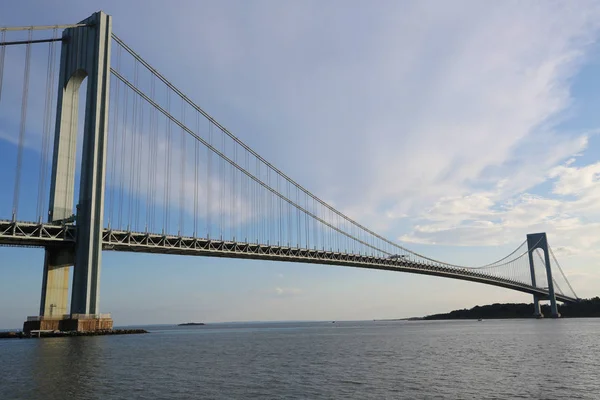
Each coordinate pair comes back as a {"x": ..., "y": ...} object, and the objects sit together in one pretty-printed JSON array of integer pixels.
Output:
[{"x": 27, "y": 234}]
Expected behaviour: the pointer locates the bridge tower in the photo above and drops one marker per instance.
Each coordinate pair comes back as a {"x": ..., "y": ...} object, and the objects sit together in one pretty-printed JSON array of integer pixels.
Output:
[
  {"x": 85, "y": 53},
  {"x": 539, "y": 241}
]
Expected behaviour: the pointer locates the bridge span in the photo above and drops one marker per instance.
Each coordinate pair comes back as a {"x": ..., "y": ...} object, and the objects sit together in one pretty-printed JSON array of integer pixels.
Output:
[
  {"x": 158, "y": 174},
  {"x": 48, "y": 235}
]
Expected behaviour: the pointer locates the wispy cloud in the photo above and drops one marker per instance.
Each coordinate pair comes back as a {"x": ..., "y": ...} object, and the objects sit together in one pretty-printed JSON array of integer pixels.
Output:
[
  {"x": 399, "y": 115},
  {"x": 287, "y": 292}
]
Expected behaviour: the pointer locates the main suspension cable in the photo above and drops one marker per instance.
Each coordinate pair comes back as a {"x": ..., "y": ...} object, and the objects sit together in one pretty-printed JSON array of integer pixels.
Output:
[
  {"x": 561, "y": 271},
  {"x": 320, "y": 202}
]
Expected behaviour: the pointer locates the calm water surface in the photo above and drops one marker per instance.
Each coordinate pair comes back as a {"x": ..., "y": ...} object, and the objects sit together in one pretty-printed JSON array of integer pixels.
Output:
[{"x": 509, "y": 359}]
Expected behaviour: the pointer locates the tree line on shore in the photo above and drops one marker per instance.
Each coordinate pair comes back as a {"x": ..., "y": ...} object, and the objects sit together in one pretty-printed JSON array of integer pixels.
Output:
[{"x": 585, "y": 308}]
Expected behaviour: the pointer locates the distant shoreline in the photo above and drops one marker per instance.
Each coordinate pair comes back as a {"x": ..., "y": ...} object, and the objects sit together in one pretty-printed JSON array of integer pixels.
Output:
[
  {"x": 400, "y": 319},
  {"x": 191, "y": 324},
  {"x": 586, "y": 308}
]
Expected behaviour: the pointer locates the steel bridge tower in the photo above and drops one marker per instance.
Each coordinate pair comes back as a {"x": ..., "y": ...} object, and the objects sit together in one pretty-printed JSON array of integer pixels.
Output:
[
  {"x": 85, "y": 53},
  {"x": 539, "y": 241}
]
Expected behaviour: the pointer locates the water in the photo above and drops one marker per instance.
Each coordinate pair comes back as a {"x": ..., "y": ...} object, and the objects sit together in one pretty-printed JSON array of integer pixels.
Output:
[{"x": 507, "y": 359}]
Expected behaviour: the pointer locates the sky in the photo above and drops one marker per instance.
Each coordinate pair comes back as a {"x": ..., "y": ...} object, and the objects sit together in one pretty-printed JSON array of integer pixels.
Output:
[{"x": 454, "y": 128}]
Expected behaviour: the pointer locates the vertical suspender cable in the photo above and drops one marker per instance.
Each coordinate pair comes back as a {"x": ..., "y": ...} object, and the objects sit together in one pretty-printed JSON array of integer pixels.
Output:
[
  {"x": 114, "y": 133},
  {"x": 306, "y": 228},
  {"x": 22, "y": 127},
  {"x": 524, "y": 270},
  {"x": 222, "y": 184},
  {"x": 228, "y": 199},
  {"x": 2, "y": 55},
  {"x": 260, "y": 216},
  {"x": 137, "y": 151},
  {"x": 150, "y": 160},
  {"x": 138, "y": 191},
  {"x": 289, "y": 215},
  {"x": 209, "y": 183},
  {"x": 314, "y": 224},
  {"x": 514, "y": 268},
  {"x": 134, "y": 149},
  {"x": 122, "y": 156},
  {"x": 168, "y": 166},
  {"x": 257, "y": 215},
  {"x": 269, "y": 208},
  {"x": 231, "y": 187},
  {"x": 265, "y": 205},
  {"x": 557, "y": 286},
  {"x": 298, "y": 235},
  {"x": 259, "y": 206},
  {"x": 233, "y": 222},
  {"x": 280, "y": 217},
  {"x": 330, "y": 230},
  {"x": 152, "y": 194},
  {"x": 255, "y": 211},
  {"x": 182, "y": 172},
  {"x": 239, "y": 210},
  {"x": 247, "y": 201},
  {"x": 47, "y": 124},
  {"x": 41, "y": 169},
  {"x": 561, "y": 271},
  {"x": 196, "y": 149},
  {"x": 109, "y": 149},
  {"x": 226, "y": 195}
]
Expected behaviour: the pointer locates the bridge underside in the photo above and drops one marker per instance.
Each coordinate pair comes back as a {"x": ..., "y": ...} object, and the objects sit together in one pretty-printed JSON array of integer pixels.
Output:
[{"x": 48, "y": 235}]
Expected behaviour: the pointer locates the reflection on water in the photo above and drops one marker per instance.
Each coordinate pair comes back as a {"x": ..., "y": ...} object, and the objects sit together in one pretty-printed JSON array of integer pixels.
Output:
[
  {"x": 421, "y": 360},
  {"x": 54, "y": 368}
]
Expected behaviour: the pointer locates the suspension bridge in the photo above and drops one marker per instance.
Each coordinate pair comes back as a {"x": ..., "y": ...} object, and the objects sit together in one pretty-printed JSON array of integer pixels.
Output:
[{"x": 153, "y": 172}]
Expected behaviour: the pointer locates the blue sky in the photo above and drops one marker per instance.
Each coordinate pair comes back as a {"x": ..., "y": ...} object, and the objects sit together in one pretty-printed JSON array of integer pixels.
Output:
[{"x": 455, "y": 128}]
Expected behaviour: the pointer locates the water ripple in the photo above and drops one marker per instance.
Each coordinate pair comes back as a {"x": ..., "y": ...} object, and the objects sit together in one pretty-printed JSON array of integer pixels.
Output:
[{"x": 524, "y": 359}]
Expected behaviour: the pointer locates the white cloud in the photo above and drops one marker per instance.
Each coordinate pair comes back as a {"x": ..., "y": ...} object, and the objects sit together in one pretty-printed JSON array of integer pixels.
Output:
[
  {"x": 287, "y": 292},
  {"x": 415, "y": 105},
  {"x": 454, "y": 222},
  {"x": 575, "y": 181},
  {"x": 418, "y": 104}
]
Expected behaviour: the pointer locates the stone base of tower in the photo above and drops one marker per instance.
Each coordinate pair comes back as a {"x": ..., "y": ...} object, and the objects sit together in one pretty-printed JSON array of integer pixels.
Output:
[{"x": 69, "y": 323}]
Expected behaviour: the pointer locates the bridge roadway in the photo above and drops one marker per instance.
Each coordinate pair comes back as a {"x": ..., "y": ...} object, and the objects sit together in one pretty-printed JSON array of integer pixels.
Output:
[{"x": 28, "y": 234}]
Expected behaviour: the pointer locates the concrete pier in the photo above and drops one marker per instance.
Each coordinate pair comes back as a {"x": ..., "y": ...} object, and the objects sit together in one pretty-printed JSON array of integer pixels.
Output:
[{"x": 69, "y": 323}]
